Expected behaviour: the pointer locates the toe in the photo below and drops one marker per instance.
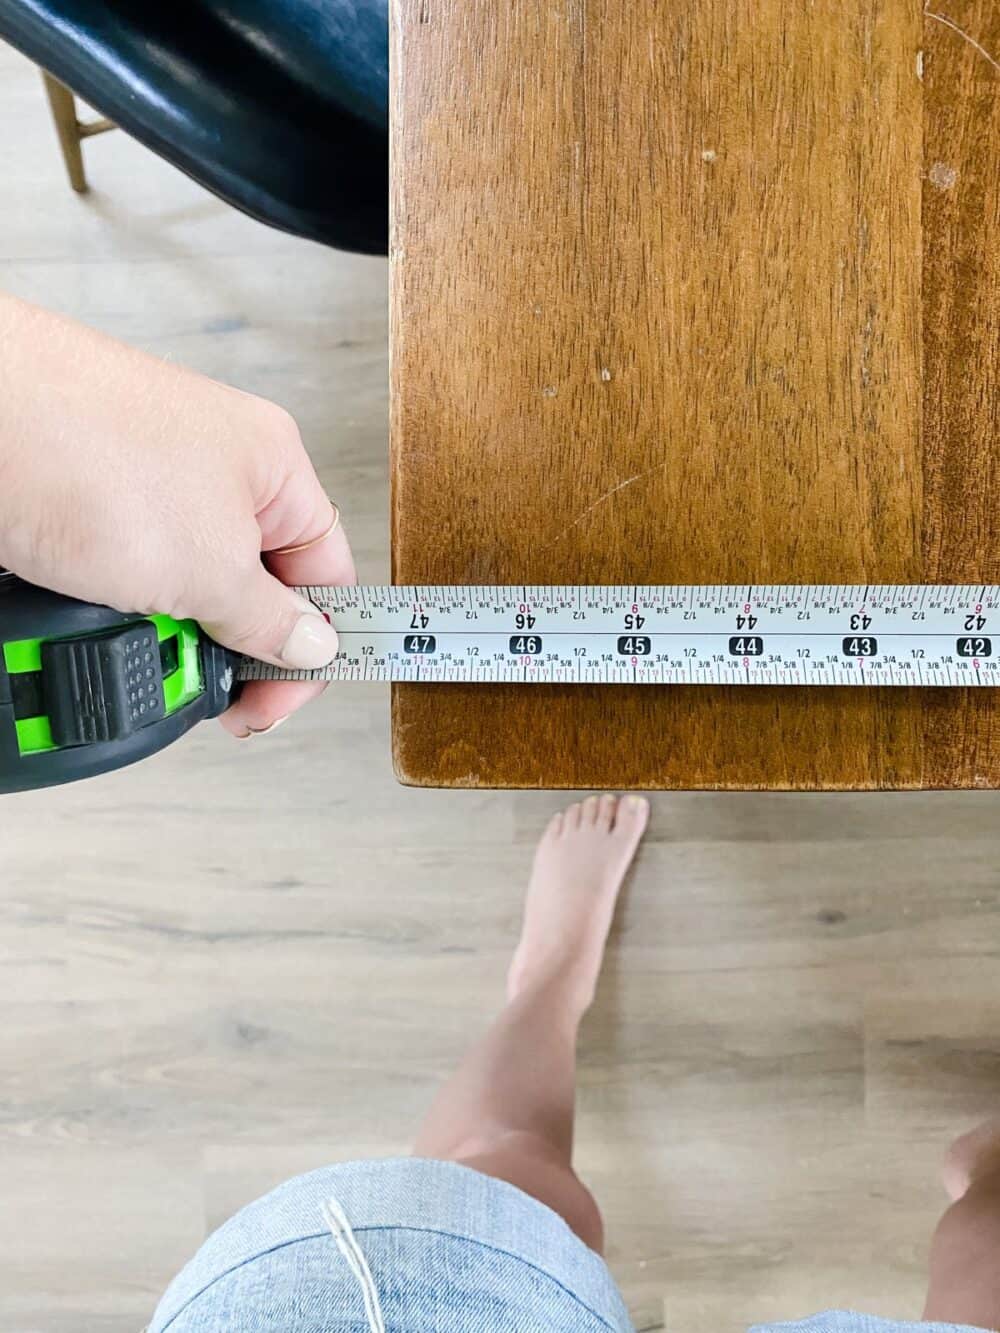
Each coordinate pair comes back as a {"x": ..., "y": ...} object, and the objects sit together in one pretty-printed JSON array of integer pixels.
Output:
[
  {"x": 555, "y": 825},
  {"x": 588, "y": 815},
  {"x": 631, "y": 817},
  {"x": 606, "y": 813},
  {"x": 571, "y": 817}
]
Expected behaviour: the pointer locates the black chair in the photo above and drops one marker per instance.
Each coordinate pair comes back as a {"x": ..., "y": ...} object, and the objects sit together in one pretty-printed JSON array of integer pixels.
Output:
[{"x": 277, "y": 106}]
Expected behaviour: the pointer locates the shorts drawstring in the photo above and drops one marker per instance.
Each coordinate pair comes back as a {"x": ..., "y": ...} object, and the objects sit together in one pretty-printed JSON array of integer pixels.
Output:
[{"x": 347, "y": 1244}]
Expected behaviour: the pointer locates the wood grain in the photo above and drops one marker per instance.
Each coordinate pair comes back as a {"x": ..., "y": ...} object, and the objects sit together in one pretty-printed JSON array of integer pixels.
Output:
[
  {"x": 961, "y": 321},
  {"x": 658, "y": 316}
]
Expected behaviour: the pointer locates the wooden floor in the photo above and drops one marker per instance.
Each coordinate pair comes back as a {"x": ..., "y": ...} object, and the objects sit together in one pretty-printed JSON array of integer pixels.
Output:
[{"x": 237, "y": 963}]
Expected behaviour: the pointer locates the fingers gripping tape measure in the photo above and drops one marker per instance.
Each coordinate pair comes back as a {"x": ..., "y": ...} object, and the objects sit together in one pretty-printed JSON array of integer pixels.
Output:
[{"x": 84, "y": 689}]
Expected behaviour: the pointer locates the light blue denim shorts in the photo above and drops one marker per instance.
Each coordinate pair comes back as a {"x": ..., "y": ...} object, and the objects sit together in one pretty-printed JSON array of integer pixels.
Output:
[
  {"x": 411, "y": 1246},
  {"x": 445, "y": 1248}
]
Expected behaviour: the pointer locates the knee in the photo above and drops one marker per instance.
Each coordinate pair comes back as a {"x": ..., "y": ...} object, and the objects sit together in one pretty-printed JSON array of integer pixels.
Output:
[
  {"x": 964, "y": 1279},
  {"x": 532, "y": 1166},
  {"x": 586, "y": 1221}
]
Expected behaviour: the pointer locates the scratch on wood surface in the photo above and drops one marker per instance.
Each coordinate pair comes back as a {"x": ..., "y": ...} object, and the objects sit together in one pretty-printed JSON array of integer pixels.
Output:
[
  {"x": 603, "y": 499},
  {"x": 950, "y": 23}
]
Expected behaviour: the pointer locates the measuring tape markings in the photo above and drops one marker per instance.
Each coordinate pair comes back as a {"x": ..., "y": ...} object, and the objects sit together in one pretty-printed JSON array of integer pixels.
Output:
[{"x": 835, "y": 634}]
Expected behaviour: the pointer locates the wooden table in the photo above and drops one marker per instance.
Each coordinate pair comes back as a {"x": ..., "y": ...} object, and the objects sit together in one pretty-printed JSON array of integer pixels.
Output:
[{"x": 700, "y": 292}]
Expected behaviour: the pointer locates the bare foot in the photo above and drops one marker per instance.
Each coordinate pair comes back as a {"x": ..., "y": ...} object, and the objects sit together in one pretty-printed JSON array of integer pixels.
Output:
[
  {"x": 579, "y": 867},
  {"x": 973, "y": 1155}
]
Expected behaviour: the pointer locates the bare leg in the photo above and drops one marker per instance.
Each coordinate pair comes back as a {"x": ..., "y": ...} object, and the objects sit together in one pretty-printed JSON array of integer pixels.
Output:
[
  {"x": 964, "y": 1275},
  {"x": 508, "y": 1110}
]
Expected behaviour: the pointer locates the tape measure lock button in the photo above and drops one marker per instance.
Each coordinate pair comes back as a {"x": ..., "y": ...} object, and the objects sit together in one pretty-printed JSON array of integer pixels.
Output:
[{"x": 103, "y": 687}]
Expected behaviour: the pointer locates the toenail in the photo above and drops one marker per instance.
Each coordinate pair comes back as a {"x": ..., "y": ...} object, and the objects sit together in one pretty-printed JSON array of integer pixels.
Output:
[{"x": 638, "y": 802}]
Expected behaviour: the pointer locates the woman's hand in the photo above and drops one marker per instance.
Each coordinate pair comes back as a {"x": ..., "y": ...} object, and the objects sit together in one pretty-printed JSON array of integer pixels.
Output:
[{"x": 129, "y": 481}]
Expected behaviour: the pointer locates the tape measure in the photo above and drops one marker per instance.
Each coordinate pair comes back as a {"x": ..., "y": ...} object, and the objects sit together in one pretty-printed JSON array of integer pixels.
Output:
[
  {"x": 795, "y": 635},
  {"x": 84, "y": 689}
]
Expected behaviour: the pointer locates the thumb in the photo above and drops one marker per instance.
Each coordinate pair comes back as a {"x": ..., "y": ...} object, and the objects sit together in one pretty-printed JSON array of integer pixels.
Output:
[{"x": 267, "y": 620}]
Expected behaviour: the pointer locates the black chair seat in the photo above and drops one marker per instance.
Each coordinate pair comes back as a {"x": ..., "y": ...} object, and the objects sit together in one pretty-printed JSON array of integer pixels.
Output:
[{"x": 279, "y": 108}]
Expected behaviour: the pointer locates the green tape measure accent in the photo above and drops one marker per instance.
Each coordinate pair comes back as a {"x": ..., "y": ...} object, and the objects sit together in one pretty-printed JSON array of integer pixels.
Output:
[
  {"x": 167, "y": 625},
  {"x": 34, "y": 735},
  {"x": 184, "y": 684},
  {"x": 23, "y": 655}
]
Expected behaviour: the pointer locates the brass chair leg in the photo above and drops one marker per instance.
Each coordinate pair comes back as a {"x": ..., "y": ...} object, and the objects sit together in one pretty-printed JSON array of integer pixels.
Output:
[{"x": 63, "y": 105}]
